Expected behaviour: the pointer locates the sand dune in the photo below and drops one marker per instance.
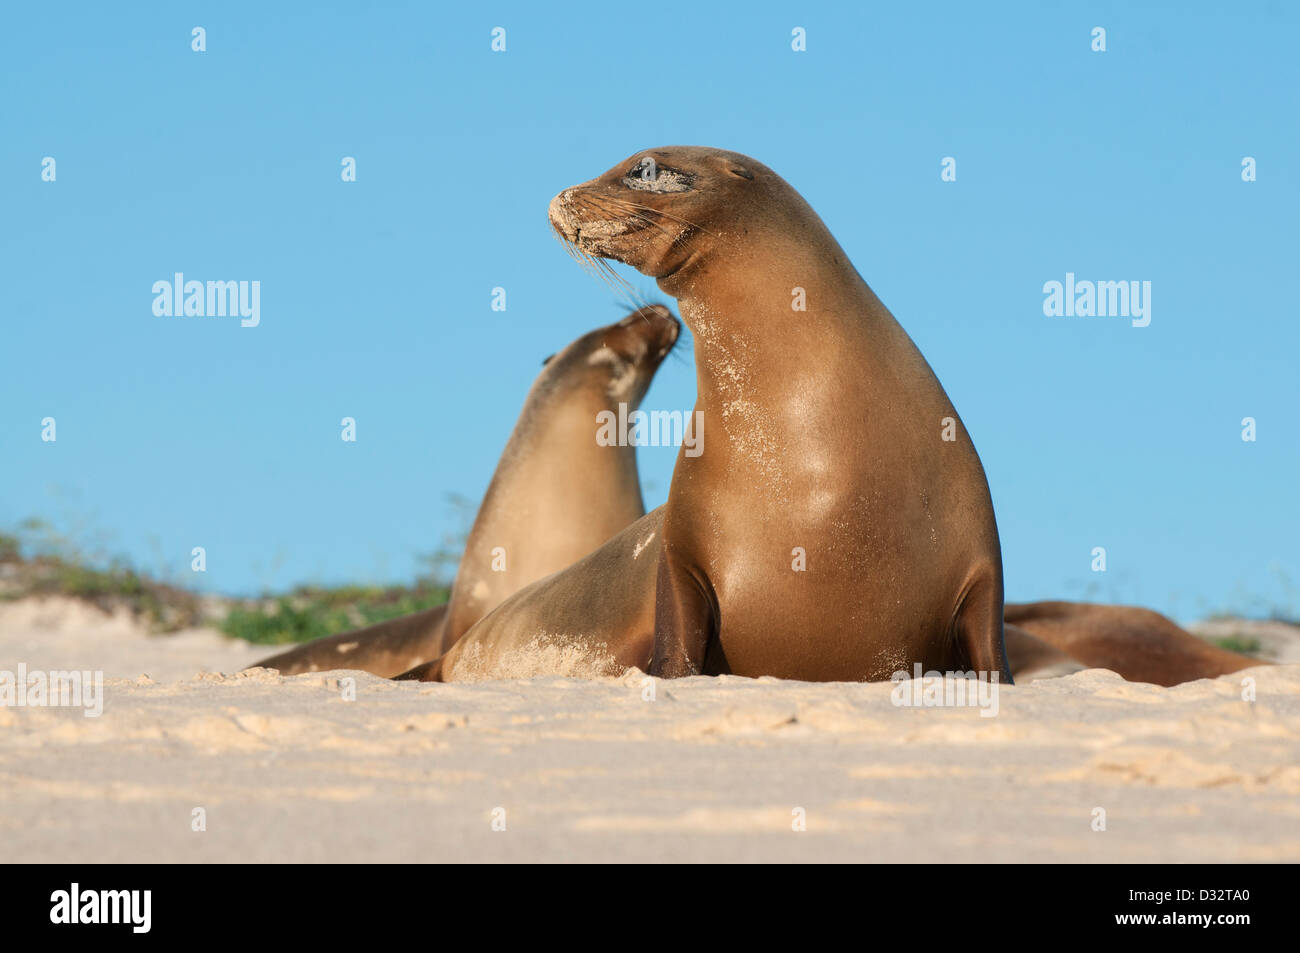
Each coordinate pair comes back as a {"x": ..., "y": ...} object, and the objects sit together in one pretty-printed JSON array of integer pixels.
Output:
[{"x": 710, "y": 769}]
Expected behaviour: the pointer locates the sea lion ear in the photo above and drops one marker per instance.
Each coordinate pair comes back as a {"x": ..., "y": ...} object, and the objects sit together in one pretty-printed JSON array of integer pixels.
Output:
[
  {"x": 740, "y": 172},
  {"x": 548, "y": 360}
]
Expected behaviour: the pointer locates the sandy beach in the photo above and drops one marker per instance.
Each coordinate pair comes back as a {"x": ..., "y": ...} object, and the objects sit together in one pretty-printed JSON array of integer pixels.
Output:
[{"x": 291, "y": 769}]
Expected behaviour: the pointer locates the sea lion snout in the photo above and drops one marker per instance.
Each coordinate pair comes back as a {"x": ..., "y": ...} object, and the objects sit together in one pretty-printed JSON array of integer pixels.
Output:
[
  {"x": 657, "y": 326},
  {"x": 590, "y": 223},
  {"x": 641, "y": 340},
  {"x": 671, "y": 332},
  {"x": 561, "y": 216}
]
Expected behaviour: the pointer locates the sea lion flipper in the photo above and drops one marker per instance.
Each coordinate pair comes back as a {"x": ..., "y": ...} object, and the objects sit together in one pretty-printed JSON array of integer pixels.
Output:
[
  {"x": 383, "y": 649},
  {"x": 683, "y": 621},
  {"x": 978, "y": 627},
  {"x": 427, "y": 672},
  {"x": 1031, "y": 657}
]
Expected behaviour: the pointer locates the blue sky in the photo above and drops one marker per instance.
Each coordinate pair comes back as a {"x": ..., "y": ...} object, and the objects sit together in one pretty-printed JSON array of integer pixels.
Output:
[{"x": 1122, "y": 165}]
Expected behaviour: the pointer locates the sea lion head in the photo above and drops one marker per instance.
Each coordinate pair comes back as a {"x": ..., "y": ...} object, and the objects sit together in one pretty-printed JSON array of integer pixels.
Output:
[
  {"x": 659, "y": 209},
  {"x": 621, "y": 358}
]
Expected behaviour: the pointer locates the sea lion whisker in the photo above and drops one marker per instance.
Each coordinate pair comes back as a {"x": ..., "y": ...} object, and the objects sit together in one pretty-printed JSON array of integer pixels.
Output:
[
  {"x": 678, "y": 238},
  {"x": 583, "y": 258},
  {"x": 619, "y": 283},
  {"x": 616, "y": 207},
  {"x": 603, "y": 270},
  {"x": 611, "y": 279},
  {"x": 577, "y": 254},
  {"x": 565, "y": 244},
  {"x": 675, "y": 218},
  {"x": 675, "y": 238}
]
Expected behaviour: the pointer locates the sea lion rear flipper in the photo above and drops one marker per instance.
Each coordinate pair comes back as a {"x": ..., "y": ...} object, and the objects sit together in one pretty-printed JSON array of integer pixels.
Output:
[{"x": 382, "y": 649}]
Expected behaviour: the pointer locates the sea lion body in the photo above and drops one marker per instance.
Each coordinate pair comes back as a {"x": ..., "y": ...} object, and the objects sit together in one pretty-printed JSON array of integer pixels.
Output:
[
  {"x": 594, "y": 618},
  {"x": 597, "y": 618},
  {"x": 1139, "y": 644},
  {"x": 556, "y": 495},
  {"x": 823, "y": 435},
  {"x": 1030, "y": 657}
]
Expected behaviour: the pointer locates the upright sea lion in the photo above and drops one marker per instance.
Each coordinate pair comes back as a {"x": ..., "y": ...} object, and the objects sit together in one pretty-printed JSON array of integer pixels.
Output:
[
  {"x": 1139, "y": 644},
  {"x": 832, "y": 450},
  {"x": 828, "y": 531},
  {"x": 557, "y": 492},
  {"x": 556, "y": 495}
]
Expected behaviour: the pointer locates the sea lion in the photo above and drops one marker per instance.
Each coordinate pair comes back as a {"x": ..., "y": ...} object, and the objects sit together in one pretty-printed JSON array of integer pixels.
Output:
[
  {"x": 828, "y": 530},
  {"x": 1139, "y": 644},
  {"x": 832, "y": 441},
  {"x": 1030, "y": 657},
  {"x": 556, "y": 495},
  {"x": 594, "y": 618}
]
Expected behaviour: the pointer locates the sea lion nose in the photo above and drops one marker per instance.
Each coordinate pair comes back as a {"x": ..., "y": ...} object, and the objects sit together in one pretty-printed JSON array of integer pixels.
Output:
[
  {"x": 660, "y": 325},
  {"x": 560, "y": 216}
]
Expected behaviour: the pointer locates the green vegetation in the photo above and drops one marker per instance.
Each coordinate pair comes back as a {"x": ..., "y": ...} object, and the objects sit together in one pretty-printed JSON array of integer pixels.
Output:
[
  {"x": 1239, "y": 643},
  {"x": 310, "y": 612},
  {"x": 38, "y": 561}
]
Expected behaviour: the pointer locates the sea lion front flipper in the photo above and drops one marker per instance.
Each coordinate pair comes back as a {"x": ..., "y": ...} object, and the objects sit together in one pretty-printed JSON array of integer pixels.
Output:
[
  {"x": 684, "y": 620},
  {"x": 428, "y": 672},
  {"x": 978, "y": 627}
]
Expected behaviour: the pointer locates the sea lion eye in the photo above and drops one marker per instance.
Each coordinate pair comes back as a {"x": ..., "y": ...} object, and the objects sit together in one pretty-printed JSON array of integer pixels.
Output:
[
  {"x": 645, "y": 176},
  {"x": 644, "y": 169}
]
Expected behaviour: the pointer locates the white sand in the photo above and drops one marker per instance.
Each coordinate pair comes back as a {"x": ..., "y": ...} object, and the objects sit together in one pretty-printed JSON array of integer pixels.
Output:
[{"x": 286, "y": 769}]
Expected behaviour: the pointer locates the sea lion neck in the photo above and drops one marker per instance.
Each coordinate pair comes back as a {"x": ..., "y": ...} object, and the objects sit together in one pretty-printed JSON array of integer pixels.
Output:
[{"x": 767, "y": 297}]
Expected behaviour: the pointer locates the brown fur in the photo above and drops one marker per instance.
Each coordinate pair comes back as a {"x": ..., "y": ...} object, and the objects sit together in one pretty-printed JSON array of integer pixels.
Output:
[{"x": 1138, "y": 644}]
